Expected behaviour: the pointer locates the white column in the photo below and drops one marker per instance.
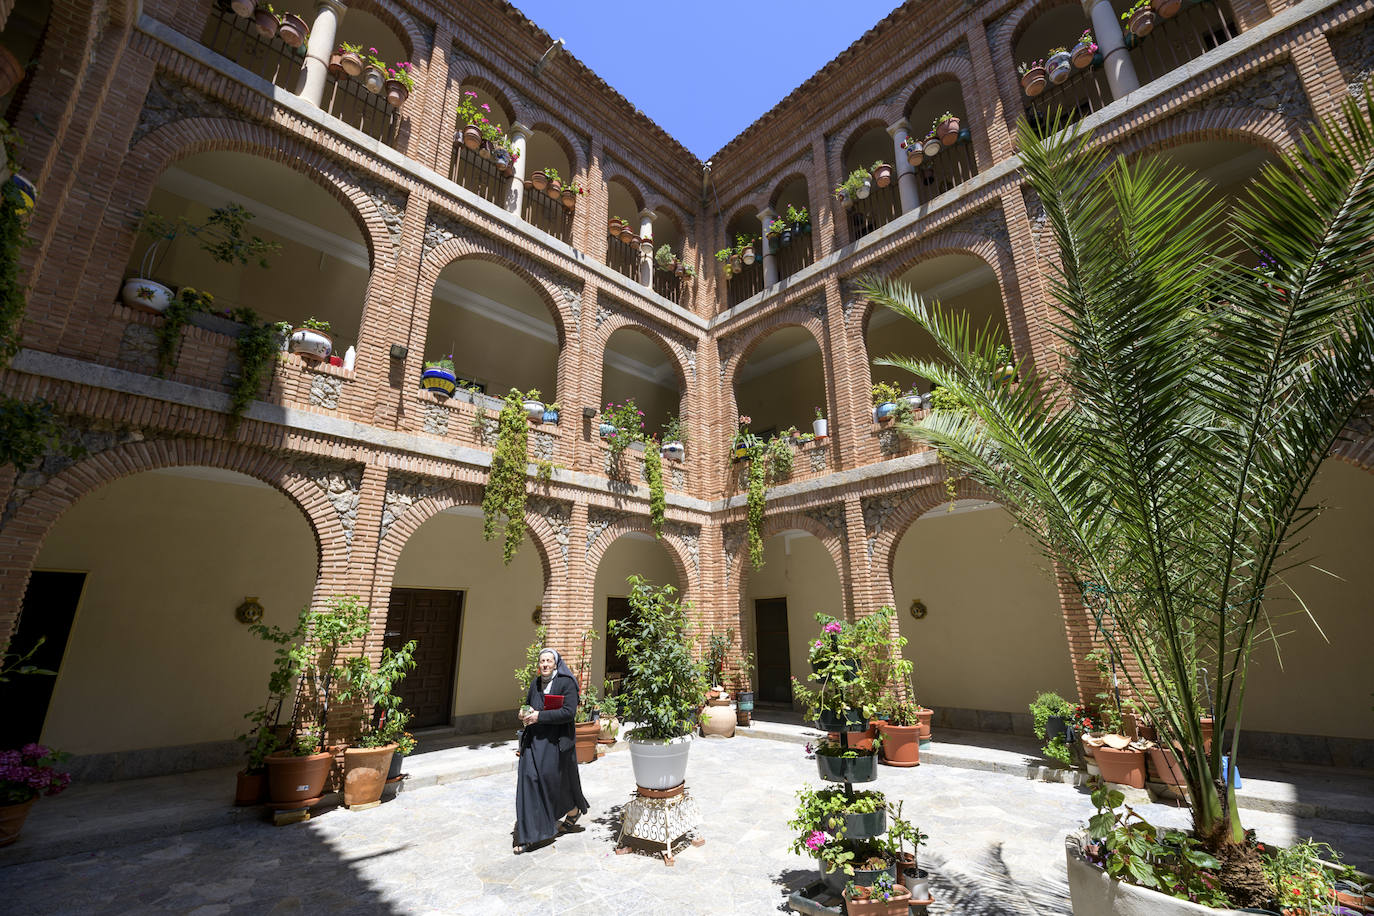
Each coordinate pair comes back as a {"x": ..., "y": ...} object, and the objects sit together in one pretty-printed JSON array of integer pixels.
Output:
[
  {"x": 519, "y": 140},
  {"x": 906, "y": 175},
  {"x": 646, "y": 260},
  {"x": 770, "y": 259},
  {"x": 1116, "y": 60},
  {"x": 323, "y": 31}
]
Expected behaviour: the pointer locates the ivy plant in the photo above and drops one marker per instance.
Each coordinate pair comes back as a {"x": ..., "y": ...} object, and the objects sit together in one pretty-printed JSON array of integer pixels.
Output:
[
  {"x": 503, "y": 501},
  {"x": 13, "y": 220},
  {"x": 256, "y": 347},
  {"x": 175, "y": 317},
  {"x": 767, "y": 460},
  {"x": 658, "y": 503},
  {"x": 29, "y": 430}
]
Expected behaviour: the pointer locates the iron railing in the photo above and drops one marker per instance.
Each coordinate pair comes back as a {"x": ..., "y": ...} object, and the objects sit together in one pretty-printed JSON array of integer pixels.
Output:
[
  {"x": 623, "y": 257},
  {"x": 880, "y": 207},
  {"x": 950, "y": 167},
  {"x": 794, "y": 255},
  {"x": 232, "y": 36},
  {"x": 1083, "y": 92},
  {"x": 544, "y": 212},
  {"x": 481, "y": 176},
  {"x": 747, "y": 282}
]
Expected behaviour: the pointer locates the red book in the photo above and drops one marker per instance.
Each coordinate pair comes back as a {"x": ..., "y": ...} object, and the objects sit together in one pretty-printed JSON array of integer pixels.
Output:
[{"x": 553, "y": 701}]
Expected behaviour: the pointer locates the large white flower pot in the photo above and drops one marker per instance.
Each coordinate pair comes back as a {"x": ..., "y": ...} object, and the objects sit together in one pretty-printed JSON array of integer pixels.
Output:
[
  {"x": 659, "y": 765},
  {"x": 1095, "y": 893},
  {"x": 145, "y": 295},
  {"x": 535, "y": 411},
  {"x": 674, "y": 451},
  {"x": 819, "y": 427},
  {"x": 311, "y": 344}
]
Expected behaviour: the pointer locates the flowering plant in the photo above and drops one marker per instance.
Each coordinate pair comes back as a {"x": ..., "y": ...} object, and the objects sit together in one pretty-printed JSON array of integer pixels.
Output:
[
  {"x": 1135, "y": 8},
  {"x": 819, "y": 819},
  {"x": 1087, "y": 39},
  {"x": 1054, "y": 52},
  {"x": 628, "y": 421},
  {"x": 1023, "y": 69},
  {"x": 401, "y": 74},
  {"x": 743, "y": 437},
  {"x": 820, "y": 413},
  {"x": 445, "y": 362},
  {"x": 372, "y": 60},
  {"x": 29, "y": 772}
]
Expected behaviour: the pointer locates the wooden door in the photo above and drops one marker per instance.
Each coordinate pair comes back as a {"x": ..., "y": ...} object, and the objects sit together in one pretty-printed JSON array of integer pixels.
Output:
[
  {"x": 616, "y": 665},
  {"x": 774, "y": 651},
  {"x": 431, "y": 617},
  {"x": 47, "y": 613}
]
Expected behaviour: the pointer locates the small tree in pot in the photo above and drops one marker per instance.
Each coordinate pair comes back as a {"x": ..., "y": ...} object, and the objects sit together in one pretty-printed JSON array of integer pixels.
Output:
[
  {"x": 367, "y": 761},
  {"x": 665, "y": 686}
]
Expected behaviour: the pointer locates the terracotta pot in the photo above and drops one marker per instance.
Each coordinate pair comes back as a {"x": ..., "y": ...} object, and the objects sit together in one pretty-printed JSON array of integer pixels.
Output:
[
  {"x": 1033, "y": 81},
  {"x": 915, "y": 155},
  {"x": 336, "y": 69},
  {"x": 1167, "y": 9},
  {"x": 882, "y": 176},
  {"x": 472, "y": 139},
  {"x": 351, "y": 62},
  {"x": 365, "y": 773},
  {"x": 876, "y": 906},
  {"x": 484, "y": 150},
  {"x": 901, "y": 745},
  {"x": 396, "y": 93},
  {"x": 293, "y": 30},
  {"x": 243, "y": 8},
  {"x": 12, "y": 819},
  {"x": 250, "y": 788},
  {"x": 924, "y": 716},
  {"x": 587, "y": 733},
  {"x": 626, "y": 235},
  {"x": 264, "y": 22},
  {"x": 1162, "y": 766},
  {"x": 614, "y": 226},
  {"x": 948, "y": 131},
  {"x": 569, "y": 199},
  {"x": 373, "y": 79},
  {"x": 555, "y": 189},
  {"x": 736, "y": 263},
  {"x": 297, "y": 779},
  {"x": 1207, "y": 733},
  {"x": 1125, "y": 767},
  {"x": 1142, "y": 23},
  {"x": 1082, "y": 55},
  {"x": 718, "y": 720}
]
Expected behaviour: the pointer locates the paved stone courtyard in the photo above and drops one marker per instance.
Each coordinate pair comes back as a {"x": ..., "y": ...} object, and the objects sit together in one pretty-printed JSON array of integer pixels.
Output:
[{"x": 995, "y": 848}]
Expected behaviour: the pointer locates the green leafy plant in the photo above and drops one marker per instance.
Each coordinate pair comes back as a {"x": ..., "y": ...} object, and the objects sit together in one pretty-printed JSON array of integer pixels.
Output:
[
  {"x": 256, "y": 345},
  {"x": 221, "y": 235},
  {"x": 1195, "y": 400},
  {"x": 838, "y": 658},
  {"x": 886, "y": 393},
  {"x": 796, "y": 216},
  {"x": 525, "y": 675},
  {"x": 174, "y": 320},
  {"x": 674, "y": 430},
  {"x": 16, "y": 664},
  {"x": 503, "y": 500},
  {"x": 767, "y": 460},
  {"x": 553, "y": 175},
  {"x": 13, "y": 220},
  {"x": 443, "y": 362},
  {"x": 658, "y": 503},
  {"x": 1135, "y": 8},
  {"x": 375, "y": 687},
  {"x": 1304, "y": 876},
  {"x": 819, "y": 817},
  {"x": 29, "y": 430},
  {"x": 717, "y": 653},
  {"x": 665, "y": 686},
  {"x": 664, "y": 258},
  {"x": 1131, "y": 849},
  {"x": 628, "y": 421},
  {"x": 316, "y": 324},
  {"x": 1046, "y": 704}
]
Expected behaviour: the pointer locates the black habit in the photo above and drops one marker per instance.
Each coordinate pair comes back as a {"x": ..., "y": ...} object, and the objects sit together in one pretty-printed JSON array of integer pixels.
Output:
[{"x": 547, "y": 786}]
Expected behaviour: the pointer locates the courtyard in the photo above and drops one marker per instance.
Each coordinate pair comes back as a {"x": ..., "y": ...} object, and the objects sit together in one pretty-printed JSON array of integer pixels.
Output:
[{"x": 443, "y": 845}]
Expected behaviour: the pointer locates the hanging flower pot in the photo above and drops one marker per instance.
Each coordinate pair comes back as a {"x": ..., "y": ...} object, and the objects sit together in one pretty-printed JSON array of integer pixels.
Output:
[
  {"x": 352, "y": 63},
  {"x": 626, "y": 236},
  {"x": 555, "y": 189},
  {"x": 472, "y": 139},
  {"x": 679, "y": 269},
  {"x": 882, "y": 175},
  {"x": 146, "y": 295},
  {"x": 1142, "y": 22},
  {"x": 915, "y": 155},
  {"x": 931, "y": 146},
  {"x": 374, "y": 79},
  {"x": 396, "y": 93},
  {"x": 501, "y": 156},
  {"x": 948, "y": 131},
  {"x": 293, "y": 30},
  {"x": 736, "y": 263},
  {"x": 336, "y": 69},
  {"x": 614, "y": 225},
  {"x": 1058, "y": 67},
  {"x": 1033, "y": 80},
  {"x": 484, "y": 150},
  {"x": 539, "y": 180},
  {"x": 748, "y": 255},
  {"x": 1082, "y": 54},
  {"x": 243, "y": 8},
  {"x": 440, "y": 381},
  {"x": 265, "y": 22},
  {"x": 1167, "y": 9},
  {"x": 674, "y": 451},
  {"x": 569, "y": 198},
  {"x": 864, "y": 189},
  {"x": 843, "y": 197},
  {"x": 786, "y": 237}
]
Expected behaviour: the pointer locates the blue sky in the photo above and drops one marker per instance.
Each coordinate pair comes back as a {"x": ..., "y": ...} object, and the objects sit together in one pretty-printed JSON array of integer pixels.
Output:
[{"x": 705, "y": 70}]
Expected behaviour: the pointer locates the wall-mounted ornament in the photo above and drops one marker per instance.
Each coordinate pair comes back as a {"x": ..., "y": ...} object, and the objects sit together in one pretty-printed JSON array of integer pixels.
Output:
[
  {"x": 538, "y": 614},
  {"x": 249, "y": 612},
  {"x": 918, "y": 608}
]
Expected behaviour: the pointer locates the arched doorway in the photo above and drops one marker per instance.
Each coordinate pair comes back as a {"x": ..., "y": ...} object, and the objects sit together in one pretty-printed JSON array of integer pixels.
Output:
[
  {"x": 782, "y": 382},
  {"x": 633, "y": 553}
]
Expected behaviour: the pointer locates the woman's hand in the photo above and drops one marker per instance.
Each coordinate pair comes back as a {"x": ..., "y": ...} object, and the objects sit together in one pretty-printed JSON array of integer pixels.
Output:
[{"x": 530, "y": 718}]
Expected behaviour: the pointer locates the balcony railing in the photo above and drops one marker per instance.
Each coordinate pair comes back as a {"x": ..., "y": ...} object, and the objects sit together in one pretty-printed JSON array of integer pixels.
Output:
[
  {"x": 950, "y": 167},
  {"x": 543, "y": 212},
  {"x": 668, "y": 285},
  {"x": 623, "y": 257},
  {"x": 795, "y": 254},
  {"x": 747, "y": 282},
  {"x": 234, "y": 37},
  {"x": 880, "y": 207},
  {"x": 482, "y": 176},
  {"x": 1199, "y": 27}
]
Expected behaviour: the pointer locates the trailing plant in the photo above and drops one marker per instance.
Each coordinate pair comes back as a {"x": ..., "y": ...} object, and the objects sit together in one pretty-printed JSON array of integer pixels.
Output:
[
  {"x": 767, "y": 461},
  {"x": 1195, "y": 400},
  {"x": 175, "y": 317},
  {"x": 628, "y": 421},
  {"x": 503, "y": 500},
  {"x": 13, "y": 220},
  {"x": 658, "y": 503},
  {"x": 665, "y": 686},
  {"x": 525, "y": 675},
  {"x": 29, "y": 430},
  {"x": 664, "y": 258},
  {"x": 837, "y": 658}
]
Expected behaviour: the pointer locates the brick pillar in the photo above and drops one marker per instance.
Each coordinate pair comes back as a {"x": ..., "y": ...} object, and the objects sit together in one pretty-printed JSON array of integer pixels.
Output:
[
  {"x": 594, "y": 240},
  {"x": 1033, "y": 254},
  {"x": 581, "y": 391},
  {"x": 856, "y": 575},
  {"x": 1250, "y": 13},
  {"x": 401, "y": 316},
  {"x": 988, "y": 104},
  {"x": 819, "y": 181},
  {"x": 428, "y": 140},
  {"x": 573, "y": 611},
  {"x": 1319, "y": 72}
]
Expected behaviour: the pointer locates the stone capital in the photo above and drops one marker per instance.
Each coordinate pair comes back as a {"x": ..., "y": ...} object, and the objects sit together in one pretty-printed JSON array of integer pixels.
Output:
[
  {"x": 521, "y": 131},
  {"x": 897, "y": 126},
  {"x": 334, "y": 6}
]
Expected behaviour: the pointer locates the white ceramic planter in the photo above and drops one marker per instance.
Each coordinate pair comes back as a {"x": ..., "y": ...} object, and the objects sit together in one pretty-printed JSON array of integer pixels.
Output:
[
  {"x": 1095, "y": 893},
  {"x": 535, "y": 411},
  {"x": 864, "y": 189},
  {"x": 373, "y": 80},
  {"x": 146, "y": 295},
  {"x": 311, "y": 344},
  {"x": 932, "y": 146},
  {"x": 674, "y": 451},
  {"x": 658, "y": 765},
  {"x": 819, "y": 427}
]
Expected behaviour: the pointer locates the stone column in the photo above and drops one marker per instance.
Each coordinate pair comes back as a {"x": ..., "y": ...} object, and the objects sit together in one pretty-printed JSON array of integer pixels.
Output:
[
  {"x": 906, "y": 175},
  {"x": 646, "y": 234},
  {"x": 322, "y": 34},
  {"x": 519, "y": 140},
  {"x": 770, "y": 257},
  {"x": 1112, "y": 43}
]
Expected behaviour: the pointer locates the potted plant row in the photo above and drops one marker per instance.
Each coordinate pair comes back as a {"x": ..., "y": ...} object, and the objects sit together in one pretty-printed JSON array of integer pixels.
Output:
[
  {"x": 483, "y": 136},
  {"x": 856, "y": 186},
  {"x": 267, "y": 22}
]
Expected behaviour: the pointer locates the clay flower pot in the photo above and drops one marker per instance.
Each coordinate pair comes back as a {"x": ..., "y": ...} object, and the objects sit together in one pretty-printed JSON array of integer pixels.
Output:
[
  {"x": 586, "y": 735},
  {"x": 569, "y": 199},
  {"x": 901, "y": 745},
  {"x": 293, "y": 30},
  {"x": 555, "y": 189},
  {"x": 484, "y": 150},
  {"x": 539, "y": 181},
  {"x": 243, "y": 8},
  {"x": 882, "y": 176},
  {"x": 265, "y": 22},
  {"x": 250, "y": 788},
  {"x": 933, "y": 146},
  {"x": 1166, "y": 9},
  {"x": 373, "y": 79},
  {"x": 1142, "y": 23},
  {"x": 1124, "y": 766},
  {"x": 351, "y": 62},
  {"x": 1059, "y": 67},
  {"x": 12, "y": 819},
  {"x": 297, "y": 779},
  {"x": 1033, "y": 81},
  {"x": 861, "y": 905},
  {"x": 924, "y": 716},
  {"x": 396, "y": 93},
  {"x": 613, "y": 227},
  {"x": 365, "y": 773},
  {"x": 626, "y": 235},
  {"x": 1082, "y": 54},
  {"x": 948, "y": 131},
  {"x": 472, "y": 139},
  {"x": 336, "y": 69},
  {"x": 915, "y": 155},
  {"x": 1162, "y": 766}
]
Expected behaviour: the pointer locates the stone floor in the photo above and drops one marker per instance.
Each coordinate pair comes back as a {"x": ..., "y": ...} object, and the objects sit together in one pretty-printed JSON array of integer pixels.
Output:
[{"x": 996, "y": 847}]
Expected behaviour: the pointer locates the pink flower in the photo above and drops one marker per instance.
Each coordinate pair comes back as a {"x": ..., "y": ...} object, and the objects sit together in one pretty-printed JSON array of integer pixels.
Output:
[
  {"x": 372, "y": 51},
  {"x": 486, "y": 107},
  {"x": 817, "y": 839},
  {"x": 817, "y": 644},
  {"x": 833, "y": 627}
]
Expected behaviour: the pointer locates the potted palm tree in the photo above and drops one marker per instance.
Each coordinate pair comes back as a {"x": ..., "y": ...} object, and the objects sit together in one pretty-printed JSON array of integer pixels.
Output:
[{"x": 665, "y": 686}]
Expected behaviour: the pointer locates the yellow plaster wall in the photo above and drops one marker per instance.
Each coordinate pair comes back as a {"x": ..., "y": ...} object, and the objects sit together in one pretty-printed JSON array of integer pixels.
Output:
[
  {"x": 628, "y": 555},
  {"x": 448, "y": 552},
  {"x": 156, "y": 657},
  {"x": 993, "y": 635}
]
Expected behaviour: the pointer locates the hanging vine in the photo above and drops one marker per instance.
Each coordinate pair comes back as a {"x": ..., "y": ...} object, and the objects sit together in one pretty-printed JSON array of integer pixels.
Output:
[
  {"x": 504, "y": 497},
  {"x": 256, "y": 346},
  {"x": 653, "y": 469},
  {"x": 767, "y": 461}
]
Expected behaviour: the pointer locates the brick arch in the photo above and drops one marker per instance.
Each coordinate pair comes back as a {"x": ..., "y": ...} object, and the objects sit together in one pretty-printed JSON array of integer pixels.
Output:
[
  {"x": 630, "y": 184},
  {"x": 784, "y": 181},
  {"x": 945, "y": 70},
  {"x": 922, "y": 499},
  {"x": 471, "y": 73},
  {"x": 1015, "y": 25},
  {"x": 402, "y": 23},
  {"x": 788, "y": 317},
  {"x": 1267, "y": 129},
  {"x": 22, "y": 537},
  {"x": 521, "y": 265},
  {"x": 794, "y": 519},
  {"x": 602, "y": 336},
  {"x": 677, "y": 550},
  {"x": 865, "y": 123},
  {"x": 160, "y": 149},
  {"x": 560, "y": 134}
]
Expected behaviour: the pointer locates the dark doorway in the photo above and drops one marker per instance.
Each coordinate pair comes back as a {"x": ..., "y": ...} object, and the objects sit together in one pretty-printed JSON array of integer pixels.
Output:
[
  {"x": 616, "y": 665},
  {"x": 47, "y": 613},
  {"x": 774, "y": 651},
  {"x": 431, "y": 617}
]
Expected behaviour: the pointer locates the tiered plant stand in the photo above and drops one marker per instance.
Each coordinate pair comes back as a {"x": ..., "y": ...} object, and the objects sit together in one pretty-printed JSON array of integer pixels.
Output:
[{"x": 660, "y": 817}]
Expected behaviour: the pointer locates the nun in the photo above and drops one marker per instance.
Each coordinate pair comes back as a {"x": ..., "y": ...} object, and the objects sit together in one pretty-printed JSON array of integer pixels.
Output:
[{"x": 547, "y": 787}]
